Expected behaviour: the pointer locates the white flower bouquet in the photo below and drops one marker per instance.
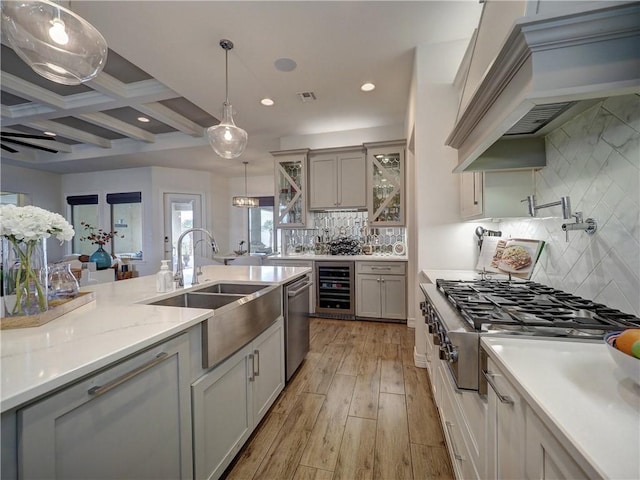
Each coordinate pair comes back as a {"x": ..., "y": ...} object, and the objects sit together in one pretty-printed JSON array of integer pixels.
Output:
[{"x": 24, "y": 260}]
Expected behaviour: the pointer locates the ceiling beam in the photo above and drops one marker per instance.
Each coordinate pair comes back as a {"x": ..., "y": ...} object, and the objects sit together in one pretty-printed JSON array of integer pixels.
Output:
[
  {"x": 171, "y": 118},
  {"x": 123, "y": 146},
  {"x": 70, "y": 132},
  {"x": 29, "y": 91},
  {"x": 61, "y": 147},
  {"x": 107, "y": 121},
  {"x": 110, "y": 94}
]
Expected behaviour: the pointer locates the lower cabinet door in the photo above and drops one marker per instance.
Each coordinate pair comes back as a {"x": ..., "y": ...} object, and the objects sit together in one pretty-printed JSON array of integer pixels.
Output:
[
  {"x": 268, "y": 364},
  {"x": 131, "y": 421},
  {"x": 394, "y": 296},
  {"x": 546, "y": 457},
  {"x": 368, "y": 296},
  {"x": 222, "y": 413}
]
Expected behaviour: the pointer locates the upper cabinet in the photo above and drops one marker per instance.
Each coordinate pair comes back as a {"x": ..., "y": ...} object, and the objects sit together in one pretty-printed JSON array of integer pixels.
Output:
[
  {"x": 386, "y": 185},
  {"x": 495, "y": 194},
  {"x": 290, "y": 188},
  {"x": 337, "y": 179}
]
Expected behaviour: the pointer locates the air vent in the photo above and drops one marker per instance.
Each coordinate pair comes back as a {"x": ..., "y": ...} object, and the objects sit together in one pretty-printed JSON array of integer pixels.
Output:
[
  {"x": 307, "y": 96},
  {"x": 538, "y": 117}
]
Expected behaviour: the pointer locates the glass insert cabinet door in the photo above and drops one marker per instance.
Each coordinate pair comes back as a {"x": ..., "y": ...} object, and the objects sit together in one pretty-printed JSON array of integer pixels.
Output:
[
  {"x": 290, "y": 189},
  {"x": 386, "y": 184}
]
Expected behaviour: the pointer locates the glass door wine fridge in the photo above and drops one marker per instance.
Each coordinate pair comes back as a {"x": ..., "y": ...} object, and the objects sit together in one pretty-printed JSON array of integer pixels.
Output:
[{"x": 335, "y": 289}]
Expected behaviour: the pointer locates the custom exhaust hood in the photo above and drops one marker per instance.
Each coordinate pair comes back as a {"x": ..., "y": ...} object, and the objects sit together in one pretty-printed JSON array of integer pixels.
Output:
[{"x": 548, "y": 70}]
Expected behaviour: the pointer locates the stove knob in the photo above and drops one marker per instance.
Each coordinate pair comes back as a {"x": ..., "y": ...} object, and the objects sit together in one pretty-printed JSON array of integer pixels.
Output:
[
  {"x": 443, "y": 353},
  {"x": 452, "y": 354}
]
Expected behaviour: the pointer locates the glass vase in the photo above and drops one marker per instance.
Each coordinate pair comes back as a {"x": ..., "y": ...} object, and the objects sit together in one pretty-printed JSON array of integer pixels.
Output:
[
  {"x": 24, "y": 277},
  {"x": 61, "y": 285},
  {"x": 102, "y": 258}
]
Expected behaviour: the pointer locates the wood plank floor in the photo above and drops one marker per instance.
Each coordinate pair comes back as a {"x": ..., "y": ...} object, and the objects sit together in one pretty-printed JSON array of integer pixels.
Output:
[{"x": 357, "y": 408}]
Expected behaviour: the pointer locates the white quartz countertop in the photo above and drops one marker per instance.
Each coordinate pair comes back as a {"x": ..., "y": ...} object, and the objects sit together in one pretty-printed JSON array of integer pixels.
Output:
[
  {"x": 359, "y": 258},
  {"x": 581, "y": 395},
  {"x": 34, "y": 361}
]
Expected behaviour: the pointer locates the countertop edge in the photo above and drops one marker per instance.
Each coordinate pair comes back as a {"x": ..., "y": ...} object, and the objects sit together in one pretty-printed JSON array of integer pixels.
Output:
[{"x": 175, "y": 321}]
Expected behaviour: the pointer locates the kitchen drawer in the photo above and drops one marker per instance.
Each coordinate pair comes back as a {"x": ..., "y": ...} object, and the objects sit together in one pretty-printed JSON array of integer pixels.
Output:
[{"x": 382, "y": 268}]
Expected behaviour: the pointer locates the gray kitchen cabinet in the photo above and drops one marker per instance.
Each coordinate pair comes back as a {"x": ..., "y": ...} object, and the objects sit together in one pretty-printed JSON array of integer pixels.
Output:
[
  {"x": 381, "y": 290},
  {"x": 230, "y": 400},
  {"x": 386, "y": 183},
  {"x": 495, "y": 194},
  {"x": 337, "y": 179},
  {"x": 132, "y": 420},
  {"x": 290, "y": 200}
]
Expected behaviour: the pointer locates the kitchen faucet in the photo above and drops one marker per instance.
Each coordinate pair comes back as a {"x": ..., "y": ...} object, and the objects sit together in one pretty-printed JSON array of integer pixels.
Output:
[{"x": 179, "y": 275}]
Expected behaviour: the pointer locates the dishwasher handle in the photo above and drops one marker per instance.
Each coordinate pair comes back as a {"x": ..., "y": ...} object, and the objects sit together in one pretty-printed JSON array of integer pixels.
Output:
[{"x": 305, "y": 286}]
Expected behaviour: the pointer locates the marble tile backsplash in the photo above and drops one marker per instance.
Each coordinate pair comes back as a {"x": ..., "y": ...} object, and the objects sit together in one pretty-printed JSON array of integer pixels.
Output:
[{"x": 595, "y": 159}]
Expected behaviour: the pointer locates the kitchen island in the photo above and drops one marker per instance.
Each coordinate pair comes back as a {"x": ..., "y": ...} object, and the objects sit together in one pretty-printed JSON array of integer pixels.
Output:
[
  {"x": 578, "y": 403},
  {"x": 95, "y": 364}
]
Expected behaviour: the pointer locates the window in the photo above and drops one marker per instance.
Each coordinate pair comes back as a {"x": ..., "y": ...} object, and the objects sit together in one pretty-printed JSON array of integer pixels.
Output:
[
  {"x": 126, "y": 219},
  {"x": 84, "y": 208},
  {"x": 261, "y": 231}
]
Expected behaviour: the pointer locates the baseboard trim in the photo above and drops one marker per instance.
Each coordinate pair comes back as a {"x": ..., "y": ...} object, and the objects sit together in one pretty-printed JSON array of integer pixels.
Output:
[
  {"x": 419, "y": 359},
  {"x": 411, "y": 322}
]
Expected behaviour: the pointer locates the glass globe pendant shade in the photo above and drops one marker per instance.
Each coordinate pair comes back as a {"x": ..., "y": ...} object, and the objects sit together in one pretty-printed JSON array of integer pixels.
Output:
[
  {"x": 226, "y": 139},
  {"x": 54, "y": 41}
]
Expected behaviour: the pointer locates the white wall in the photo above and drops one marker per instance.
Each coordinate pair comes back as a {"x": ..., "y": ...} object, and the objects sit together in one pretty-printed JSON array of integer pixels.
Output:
[
  {"x": 343, "y": 139},
  {"x": 153, "y": 182},
  {"x": 44, "y": 191},
  {"x": 595, "y": 159},
  {"x": 258, "y": 186},
  {"x": 441, "y": 240}
]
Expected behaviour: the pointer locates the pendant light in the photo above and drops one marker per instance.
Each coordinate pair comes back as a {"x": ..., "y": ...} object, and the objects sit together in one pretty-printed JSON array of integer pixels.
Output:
[
  {"x": 246, "y": 201},
  {"x": 227, "y": 140},
  {"x": 54, "y": 41}
]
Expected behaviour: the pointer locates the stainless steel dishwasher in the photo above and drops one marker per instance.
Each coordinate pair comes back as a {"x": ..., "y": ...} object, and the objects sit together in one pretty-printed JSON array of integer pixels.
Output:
[{"x": 296, "y": 323}]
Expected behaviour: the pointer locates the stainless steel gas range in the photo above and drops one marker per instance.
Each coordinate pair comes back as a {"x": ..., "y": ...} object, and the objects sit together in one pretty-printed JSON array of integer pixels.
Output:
[{"x": 458, "y": 312}]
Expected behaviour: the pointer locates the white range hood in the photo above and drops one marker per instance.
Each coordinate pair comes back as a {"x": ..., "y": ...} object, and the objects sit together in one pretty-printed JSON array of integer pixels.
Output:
[{"x": 548, "y": 70}]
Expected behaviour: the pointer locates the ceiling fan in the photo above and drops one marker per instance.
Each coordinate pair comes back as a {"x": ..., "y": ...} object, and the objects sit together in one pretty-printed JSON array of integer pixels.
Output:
[{"x": 13, "y": 138}]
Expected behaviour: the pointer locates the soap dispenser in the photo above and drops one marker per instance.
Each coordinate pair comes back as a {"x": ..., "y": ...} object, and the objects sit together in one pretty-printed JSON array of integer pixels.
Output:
[{"x": 164, "y": 278}]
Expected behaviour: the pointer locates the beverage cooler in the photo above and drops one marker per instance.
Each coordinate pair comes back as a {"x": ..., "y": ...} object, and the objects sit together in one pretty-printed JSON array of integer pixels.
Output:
[{"x": 335, "y": 289}]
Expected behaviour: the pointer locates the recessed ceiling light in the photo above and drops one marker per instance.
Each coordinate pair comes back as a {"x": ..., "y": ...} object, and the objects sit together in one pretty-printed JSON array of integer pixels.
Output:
[
  {"x": 49, "y": 134},
  {"x": 143, "y": 119},
  {"x": 285, "y": 64},
  {"x": 267, "y": 102},
  {"x": 367, "y": 87}
]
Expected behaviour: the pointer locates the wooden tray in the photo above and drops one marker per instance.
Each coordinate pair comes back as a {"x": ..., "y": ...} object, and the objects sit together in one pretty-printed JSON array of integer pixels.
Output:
[{"x": 57, "y": 308}]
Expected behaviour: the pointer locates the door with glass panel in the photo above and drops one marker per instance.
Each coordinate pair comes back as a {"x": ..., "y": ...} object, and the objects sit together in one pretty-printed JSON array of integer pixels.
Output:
[
  {"x": 290, "y": 195},
  {"x": 385, "y": 200},
  {"x": 182, "y": 211}
]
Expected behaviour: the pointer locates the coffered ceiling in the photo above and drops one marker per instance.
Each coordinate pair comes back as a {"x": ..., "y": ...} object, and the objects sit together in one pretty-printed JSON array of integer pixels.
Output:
[{"x": 165, "y": 64}]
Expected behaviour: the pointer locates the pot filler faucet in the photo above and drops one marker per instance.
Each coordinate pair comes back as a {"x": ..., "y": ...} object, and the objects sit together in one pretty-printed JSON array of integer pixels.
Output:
[
  {"x": 179, "y": 275},
  {"x": 590, "y": 226}
]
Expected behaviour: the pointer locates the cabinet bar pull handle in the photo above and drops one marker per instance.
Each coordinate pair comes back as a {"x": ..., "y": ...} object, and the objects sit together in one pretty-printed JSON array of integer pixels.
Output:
[
  {"x": 456, "y": 455},
  {"x": 256, "y": 356},
  {"x": 380, "y": 268},
  {"x": 503, "y": 398},
  {"x": 252, "y": 376},
  {"x": 101, "y": 389}
]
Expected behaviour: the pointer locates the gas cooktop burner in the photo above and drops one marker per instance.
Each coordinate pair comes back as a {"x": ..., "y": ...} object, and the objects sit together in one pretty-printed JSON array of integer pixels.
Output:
[{"x": 491, "y": 305}]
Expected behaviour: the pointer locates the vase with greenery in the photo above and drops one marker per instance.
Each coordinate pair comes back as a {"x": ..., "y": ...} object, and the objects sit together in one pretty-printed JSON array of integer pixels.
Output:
[
  {"x": 97, "y": 236},
  {"x": 24, "y": 231}
]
